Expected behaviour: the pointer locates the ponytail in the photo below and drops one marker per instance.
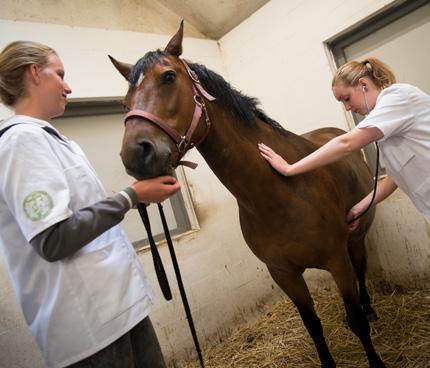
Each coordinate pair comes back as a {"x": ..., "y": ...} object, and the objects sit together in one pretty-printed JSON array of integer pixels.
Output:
[{"x": 378, "y": 72}]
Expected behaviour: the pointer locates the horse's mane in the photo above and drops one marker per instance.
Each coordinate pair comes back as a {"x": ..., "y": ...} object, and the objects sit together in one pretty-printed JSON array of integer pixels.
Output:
[{"x": 243, "y": 107}]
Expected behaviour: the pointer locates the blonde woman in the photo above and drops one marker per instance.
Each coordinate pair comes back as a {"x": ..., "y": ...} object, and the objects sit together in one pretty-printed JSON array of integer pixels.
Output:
[
  {"x": 398, "y": 117},
  {"x": 76, "y": 275}
]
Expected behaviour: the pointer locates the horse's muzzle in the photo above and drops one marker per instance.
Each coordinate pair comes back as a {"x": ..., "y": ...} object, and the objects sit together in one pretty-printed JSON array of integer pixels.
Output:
[{"x": 144, "y": 160}]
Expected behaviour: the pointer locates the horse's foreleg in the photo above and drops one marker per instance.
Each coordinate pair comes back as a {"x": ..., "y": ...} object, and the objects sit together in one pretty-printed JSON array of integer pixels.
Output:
[
  {"x": 343, "y": 273},
  {"x": 295, "y": 287},
  {"x": 357, "y": 253}
]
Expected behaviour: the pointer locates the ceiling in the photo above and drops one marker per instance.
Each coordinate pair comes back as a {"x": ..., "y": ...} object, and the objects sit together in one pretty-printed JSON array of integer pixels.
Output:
[
  {"x": 213, "y": 18},
  {"x": 203, "y": 18}
]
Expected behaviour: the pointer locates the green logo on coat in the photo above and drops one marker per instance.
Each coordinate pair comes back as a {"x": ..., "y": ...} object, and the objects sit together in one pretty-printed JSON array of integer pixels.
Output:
[{"x": 37, "y": 205}]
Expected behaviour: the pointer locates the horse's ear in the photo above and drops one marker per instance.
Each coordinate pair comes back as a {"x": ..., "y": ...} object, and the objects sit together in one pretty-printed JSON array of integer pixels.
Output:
[
  {"x": 174, "y": 47},
  {"x": 123, "y": 68}
]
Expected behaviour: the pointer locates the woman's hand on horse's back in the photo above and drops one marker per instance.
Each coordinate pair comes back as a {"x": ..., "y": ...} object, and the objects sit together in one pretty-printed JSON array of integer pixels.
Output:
[
  {"x": 155, "y": 190},
  {"x": 276, "y": 161}
]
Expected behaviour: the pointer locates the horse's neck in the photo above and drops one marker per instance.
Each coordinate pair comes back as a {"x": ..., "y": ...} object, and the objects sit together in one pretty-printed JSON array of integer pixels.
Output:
[{"x": 232, "y": 153}]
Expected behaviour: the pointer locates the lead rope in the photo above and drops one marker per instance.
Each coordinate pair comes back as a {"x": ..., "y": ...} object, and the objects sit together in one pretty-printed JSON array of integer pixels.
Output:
[
  {"x": 158, "y": 264},
  {"x": 161, "y": 275},
  {"x": 180, "y": 284}
]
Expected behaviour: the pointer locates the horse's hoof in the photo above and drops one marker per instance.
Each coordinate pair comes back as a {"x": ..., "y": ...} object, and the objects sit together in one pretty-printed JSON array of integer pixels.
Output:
[
  {"x": 372, "y": 316},
  {"x": 377, "y": 363},
  {"x": 328, "y": 363}
]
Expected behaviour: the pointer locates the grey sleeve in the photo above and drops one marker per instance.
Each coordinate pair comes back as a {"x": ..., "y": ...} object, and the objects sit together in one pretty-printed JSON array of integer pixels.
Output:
[{"x": 67, "y": 237}]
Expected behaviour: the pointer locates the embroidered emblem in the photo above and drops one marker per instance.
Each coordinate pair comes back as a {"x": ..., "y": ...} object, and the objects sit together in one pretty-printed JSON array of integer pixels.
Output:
[{"x": 37, "y": 205}]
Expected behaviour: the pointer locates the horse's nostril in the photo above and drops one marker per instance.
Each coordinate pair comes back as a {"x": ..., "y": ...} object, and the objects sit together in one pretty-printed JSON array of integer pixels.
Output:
[
  {"x": 146, "y": 146},
  {"x": 147, "y": 150}
]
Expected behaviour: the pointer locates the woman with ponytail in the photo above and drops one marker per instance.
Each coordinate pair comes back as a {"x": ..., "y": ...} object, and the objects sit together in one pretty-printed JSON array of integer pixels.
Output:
[{"x": 398, "y": 117}]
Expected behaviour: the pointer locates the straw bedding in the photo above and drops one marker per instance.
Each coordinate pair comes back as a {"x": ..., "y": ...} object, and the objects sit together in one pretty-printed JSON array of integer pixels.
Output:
[{"x": 401, "y": 336}]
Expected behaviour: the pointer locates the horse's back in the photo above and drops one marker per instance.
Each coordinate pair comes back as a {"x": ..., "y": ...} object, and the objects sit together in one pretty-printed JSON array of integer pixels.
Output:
[{"x": 323, "y": 135}]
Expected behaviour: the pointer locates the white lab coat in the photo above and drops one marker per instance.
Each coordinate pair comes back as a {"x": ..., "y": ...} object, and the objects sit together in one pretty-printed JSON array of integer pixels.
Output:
[{"x": 402, "y": 113}]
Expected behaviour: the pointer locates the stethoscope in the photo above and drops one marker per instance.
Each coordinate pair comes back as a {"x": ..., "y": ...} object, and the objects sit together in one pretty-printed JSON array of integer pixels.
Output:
[{"x": 377, "y": 164}]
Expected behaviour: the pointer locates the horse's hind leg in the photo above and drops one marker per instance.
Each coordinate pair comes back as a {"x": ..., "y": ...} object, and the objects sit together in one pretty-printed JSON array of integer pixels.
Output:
[
  {"x": 343, "y": 273},
  {"x": 357, "y": 253},
  {"x": 295, "y": 287}
]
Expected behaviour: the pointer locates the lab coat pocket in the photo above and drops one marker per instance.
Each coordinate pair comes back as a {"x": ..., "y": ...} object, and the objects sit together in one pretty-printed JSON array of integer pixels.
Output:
[
  {"x": 402, "y": 158},
  {"x": 111, "y": 278}
]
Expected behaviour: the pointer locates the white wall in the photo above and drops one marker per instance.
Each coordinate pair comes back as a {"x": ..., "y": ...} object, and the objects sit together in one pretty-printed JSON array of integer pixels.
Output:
[
  {"x": 84, "y": 52},
  {"x": 288, "y": 67}
]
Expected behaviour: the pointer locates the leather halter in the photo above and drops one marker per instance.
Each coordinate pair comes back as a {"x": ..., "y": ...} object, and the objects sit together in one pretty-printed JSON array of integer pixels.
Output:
[{"x": 183, "y": 142}]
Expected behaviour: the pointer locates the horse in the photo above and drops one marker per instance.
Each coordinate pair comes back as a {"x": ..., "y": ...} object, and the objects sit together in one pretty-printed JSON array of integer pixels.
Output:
[{"x": 289, "y": 223}]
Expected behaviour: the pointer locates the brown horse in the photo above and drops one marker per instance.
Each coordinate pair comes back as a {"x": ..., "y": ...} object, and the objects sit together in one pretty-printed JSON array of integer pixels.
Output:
[{"x": 290, "y": 223}]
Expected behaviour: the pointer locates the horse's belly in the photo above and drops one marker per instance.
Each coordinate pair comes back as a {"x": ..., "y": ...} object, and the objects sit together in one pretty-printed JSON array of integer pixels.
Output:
[
  {"x": 289, "y": 242},
  {"x": 280, "y": 248}
]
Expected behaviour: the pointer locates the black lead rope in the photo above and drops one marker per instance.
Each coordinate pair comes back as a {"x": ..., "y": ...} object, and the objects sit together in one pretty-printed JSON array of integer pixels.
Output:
[
  {"x": 158, "y": 264},
  {"x": 180, "y": 284},
  {"x": 161, "y": 275},
  {"x": 374, "y": 187}
]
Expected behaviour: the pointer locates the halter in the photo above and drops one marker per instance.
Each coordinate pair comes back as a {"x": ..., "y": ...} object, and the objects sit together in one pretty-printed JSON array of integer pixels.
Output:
[{"x": 183, "y": 142}]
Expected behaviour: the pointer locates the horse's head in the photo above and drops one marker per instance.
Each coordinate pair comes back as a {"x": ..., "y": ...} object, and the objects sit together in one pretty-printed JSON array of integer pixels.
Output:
[{"x": 166, "y": 103}]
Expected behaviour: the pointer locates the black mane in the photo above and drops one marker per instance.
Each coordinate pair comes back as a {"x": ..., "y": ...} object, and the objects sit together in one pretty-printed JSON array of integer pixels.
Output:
[{"x": 243, "y": 107}]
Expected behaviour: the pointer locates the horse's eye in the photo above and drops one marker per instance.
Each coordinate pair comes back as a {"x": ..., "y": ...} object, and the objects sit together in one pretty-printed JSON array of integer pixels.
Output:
[{"x": 169, "y": 77}]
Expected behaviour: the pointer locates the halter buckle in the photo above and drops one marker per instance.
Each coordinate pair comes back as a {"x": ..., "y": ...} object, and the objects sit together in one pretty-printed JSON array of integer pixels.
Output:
[
  {"x": 199, "y": 101},
  {"x": 182, "y": 145}
]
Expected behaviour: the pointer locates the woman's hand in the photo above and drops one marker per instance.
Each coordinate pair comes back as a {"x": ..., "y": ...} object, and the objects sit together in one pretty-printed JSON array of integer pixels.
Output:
[
  {"x": 385, "y": 187},
  {"x": 353, "y": 213},
  {"x": 155, "y": 190},
  {"x": 276, "y": 161},
  {"x": 356, "y": 211}
]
